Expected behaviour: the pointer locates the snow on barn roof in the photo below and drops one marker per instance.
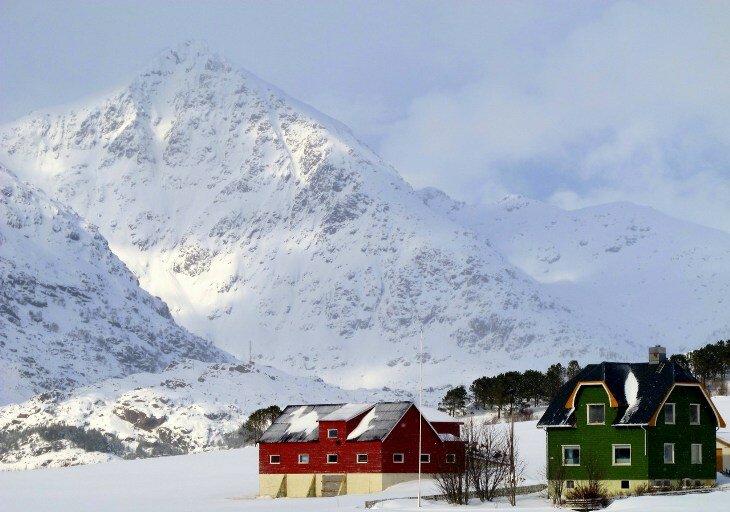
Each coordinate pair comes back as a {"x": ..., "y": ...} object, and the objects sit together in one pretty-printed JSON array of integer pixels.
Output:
[
  {"x": 300, "y": 423},
  {"x": 436, "y": 416},
  {"x": 347, "y": 412},
  {"x": 297, "y": 423}
]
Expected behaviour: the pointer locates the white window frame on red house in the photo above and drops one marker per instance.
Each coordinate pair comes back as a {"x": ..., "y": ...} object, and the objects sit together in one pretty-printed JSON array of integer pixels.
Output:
[
  {"x": 450, "y": 458},
  {"x": 271, "y": 459},
  {"x": 329, "y": 433},
  {"x": 427, "y": 456},
  {"x": 337, "y": 458},
  {"x": 402, "y": 458},
  {"x": 357, "y": 458},
  {"x": 302, "y": 456}
]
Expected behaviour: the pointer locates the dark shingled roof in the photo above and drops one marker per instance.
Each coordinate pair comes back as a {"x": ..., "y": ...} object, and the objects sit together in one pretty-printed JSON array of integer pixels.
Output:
[
  {"x": 654, "y": 381},
  {"x": 300, "y": 423}
]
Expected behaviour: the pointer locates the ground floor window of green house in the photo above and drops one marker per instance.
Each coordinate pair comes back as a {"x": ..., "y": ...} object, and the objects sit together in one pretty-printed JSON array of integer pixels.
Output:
[
  {"x": 624, "y": 484},
  {"x": 622, "y": 455},
  {"x": 696, "y": 454},
  {"x": 571, "y": 455},
  {"x": 668, "y": 453}
]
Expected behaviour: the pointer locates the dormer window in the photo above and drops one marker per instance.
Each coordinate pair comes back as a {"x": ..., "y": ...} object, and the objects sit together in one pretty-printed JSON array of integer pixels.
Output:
[
  {"x": 669, "y": 414},
  {"x": 332, "y": 433},
  {"x": 596, "y": 414}
]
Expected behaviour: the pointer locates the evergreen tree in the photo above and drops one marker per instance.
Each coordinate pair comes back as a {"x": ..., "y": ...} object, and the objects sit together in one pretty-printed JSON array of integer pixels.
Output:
[
  {"x": 258, "y": 422},
  {"x": 455, "y": 400},
  {"x": 554, "y": 379},
  {"x": 573, "y": 369}
]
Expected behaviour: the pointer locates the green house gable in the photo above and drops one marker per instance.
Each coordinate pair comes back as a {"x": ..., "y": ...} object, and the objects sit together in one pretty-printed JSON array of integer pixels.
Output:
[{"x": 613, "y": 421}]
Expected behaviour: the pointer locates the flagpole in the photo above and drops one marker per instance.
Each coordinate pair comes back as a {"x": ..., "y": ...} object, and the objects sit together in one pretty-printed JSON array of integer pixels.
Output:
[{"x": 420, "y": 409}]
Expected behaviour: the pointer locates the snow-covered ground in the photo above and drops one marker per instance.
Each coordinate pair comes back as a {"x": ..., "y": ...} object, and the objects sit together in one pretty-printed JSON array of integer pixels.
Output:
[{"x": 228, "y": 480}]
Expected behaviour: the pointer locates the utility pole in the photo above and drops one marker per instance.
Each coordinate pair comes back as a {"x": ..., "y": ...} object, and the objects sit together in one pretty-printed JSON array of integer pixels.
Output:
[
  {"x": 250, "y": 351},
  {"x": 420, "y": 409}
]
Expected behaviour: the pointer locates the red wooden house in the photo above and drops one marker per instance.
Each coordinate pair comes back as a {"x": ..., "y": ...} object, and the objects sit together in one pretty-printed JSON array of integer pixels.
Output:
[{"x": 326, "y": 450}]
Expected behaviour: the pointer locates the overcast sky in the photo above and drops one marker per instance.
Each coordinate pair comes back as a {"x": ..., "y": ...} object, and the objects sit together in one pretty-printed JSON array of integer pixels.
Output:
[{"x": 575, "y": 103}]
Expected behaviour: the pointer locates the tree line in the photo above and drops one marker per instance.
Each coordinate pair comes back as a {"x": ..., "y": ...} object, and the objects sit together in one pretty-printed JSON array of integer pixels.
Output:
[
  {"x": 510, "y": 391},
  {"x": 710, "y": 364}
]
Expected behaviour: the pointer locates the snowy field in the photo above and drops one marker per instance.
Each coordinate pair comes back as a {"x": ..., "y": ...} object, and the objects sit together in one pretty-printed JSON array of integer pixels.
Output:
[{"x": 228, "y": 480}]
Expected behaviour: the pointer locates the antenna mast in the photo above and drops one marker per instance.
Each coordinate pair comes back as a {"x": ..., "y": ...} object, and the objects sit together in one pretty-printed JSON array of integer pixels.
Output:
[{"x": 420, "y": 408}]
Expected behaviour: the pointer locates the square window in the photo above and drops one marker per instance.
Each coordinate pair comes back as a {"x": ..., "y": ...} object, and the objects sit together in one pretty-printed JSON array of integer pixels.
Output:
[
  {"x": 332, "y": 433},
  {"x": 571, "y": 455},
  {"x": 332, "y": 458},
  {"x": 274, "y": 459},
  {"x": 668, "y": 453},
  {"x": 362, "y": 458},
  {"x": 451, "y": 458},
  {"x": 425, "y": 458},
  {"x": 622, "y": 455},
  {"x": 303, "y": 458},
  {"x": 624, "y": 484},
  {"x": 398, "y": 458},
  {"x": 694, "y": 414},
  {"x": 696, "y": 454},
  {"x": 569, "y": 484},
  {"x": 657, "y": 483},
  {"x": 596, "y": 414},
  {"x": 669, "y": 414}
]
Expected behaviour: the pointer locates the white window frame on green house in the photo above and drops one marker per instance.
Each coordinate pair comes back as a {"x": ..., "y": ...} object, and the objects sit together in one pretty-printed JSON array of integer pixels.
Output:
[
  {"x": 673, "y": 408},
  {"x": 615, "y": 446},
  {"x": 665, "y": 453},
  {"x": 693, "y": 459},
  {"x": 588, "y": 414},
  {"x": 571, "y": 446},
  {"x": 694, "y": 411}
]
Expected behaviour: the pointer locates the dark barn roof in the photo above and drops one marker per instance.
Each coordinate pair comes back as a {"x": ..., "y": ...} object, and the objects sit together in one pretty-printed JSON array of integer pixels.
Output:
[
  {"x": 639, "y": 389},
  {"x": 300, "y": 423}
]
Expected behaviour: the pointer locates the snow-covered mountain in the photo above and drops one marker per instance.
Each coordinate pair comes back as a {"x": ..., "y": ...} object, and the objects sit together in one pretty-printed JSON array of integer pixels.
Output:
[
  {"x": 655, "y": 277},
  {"x": 190, "y": 406},
  {"x": 71, "y": 313},
  {"x": 260, "y": 219}
]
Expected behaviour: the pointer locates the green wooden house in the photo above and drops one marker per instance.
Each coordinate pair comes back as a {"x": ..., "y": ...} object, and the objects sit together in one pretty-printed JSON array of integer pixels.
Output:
[{"x": 630, "y": 425}]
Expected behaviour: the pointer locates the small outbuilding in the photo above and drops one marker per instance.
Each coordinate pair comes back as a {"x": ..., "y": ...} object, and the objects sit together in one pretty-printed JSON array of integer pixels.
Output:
[
  {"x": 722, "y": 451},
  {"x": 334, "y": 449}
]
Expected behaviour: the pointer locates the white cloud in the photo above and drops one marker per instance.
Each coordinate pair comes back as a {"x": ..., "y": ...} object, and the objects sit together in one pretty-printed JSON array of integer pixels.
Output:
[{"x": 632, "y": 105}]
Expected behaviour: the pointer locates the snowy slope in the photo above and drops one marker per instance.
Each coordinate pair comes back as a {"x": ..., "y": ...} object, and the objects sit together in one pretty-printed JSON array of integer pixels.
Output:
[
  {"x": 257, "y": 218},
  {"x": 656, "y": 278},
  {"x": 190, "y": 406},
  {"x": 71, "y": 313}
]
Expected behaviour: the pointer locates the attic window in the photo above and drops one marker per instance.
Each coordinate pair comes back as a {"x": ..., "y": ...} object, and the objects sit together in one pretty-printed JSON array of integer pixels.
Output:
[
  {"x": 669, "y": 414},
  {"x": 694, "y": 414},
  {"x": 332, "y": 433},
  {"x": 596, "y": 414},
  {"x": 274, "y": 459}
]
